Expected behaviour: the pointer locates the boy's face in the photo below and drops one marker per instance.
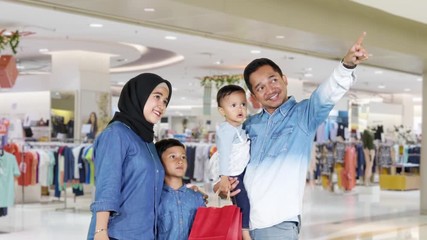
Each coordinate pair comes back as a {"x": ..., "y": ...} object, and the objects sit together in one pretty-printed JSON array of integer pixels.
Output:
[{"x": 175, "y": 161}]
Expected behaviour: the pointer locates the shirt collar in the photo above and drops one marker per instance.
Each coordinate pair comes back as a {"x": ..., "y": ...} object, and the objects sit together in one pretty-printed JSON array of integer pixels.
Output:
[
  {"x": 282, "y": 109},
  {"x": 169, "y": 189}
]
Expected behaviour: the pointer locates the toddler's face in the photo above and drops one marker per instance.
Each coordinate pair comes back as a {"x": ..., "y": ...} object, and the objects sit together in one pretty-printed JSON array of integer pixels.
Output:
[{"x": 234, "y": 108}]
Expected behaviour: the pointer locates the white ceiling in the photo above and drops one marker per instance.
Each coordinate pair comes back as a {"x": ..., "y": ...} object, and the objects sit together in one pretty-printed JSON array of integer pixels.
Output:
[{"x": 192, "y": 55}]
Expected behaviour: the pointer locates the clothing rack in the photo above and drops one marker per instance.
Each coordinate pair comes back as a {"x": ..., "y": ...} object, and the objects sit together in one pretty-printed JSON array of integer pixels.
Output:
[{"x": 51, "y": 146}]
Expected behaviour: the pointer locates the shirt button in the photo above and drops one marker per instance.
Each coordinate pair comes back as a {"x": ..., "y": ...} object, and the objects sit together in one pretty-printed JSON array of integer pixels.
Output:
[{"x": 157, "y": 171}]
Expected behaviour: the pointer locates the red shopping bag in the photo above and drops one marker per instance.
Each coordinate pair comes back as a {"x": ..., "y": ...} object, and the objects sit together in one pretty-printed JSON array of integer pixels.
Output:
[{"x": 213, "y": 223}]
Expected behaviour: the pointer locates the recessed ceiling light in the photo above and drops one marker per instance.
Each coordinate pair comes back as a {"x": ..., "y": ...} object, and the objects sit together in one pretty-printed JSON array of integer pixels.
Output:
[
  {"x": 96, "y": 25},
  {"x": 381, "y": 86},
  {"x": 378, "y": 72},
  {"x": 419, "y": 79},
  {"x": 417, "y": 99},
  {"x": 183, "y": 98},
  {"x": 255, "y": 51},
  {"x": 149, "y": 10},
  {"x": 407, "y": 89},
  {"x": 43, "y": 50},
  {"x": 308, "y": 75},
  {"x": 219, "y": 62},
  {"x": 170, "y": 37},
  {"x": 376, "y": 99},
  {"x": 174, "y": 89},
  {"x": 121, "y": 83},
  {"x": 280, "y": 37}
]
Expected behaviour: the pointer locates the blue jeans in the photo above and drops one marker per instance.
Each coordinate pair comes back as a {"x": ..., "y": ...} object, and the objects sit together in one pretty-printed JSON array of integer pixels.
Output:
[{"x": 281, "y": 231}]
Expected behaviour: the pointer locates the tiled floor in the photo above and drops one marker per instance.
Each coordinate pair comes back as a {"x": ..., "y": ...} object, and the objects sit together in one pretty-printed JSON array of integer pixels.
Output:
[{"x": 365, "y": 213}]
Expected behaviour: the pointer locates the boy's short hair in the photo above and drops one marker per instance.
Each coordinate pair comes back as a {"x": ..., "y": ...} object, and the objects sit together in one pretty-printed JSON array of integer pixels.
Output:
[
  {"x": 227, "y": 90},
  {"x": 163, "y": 145}
]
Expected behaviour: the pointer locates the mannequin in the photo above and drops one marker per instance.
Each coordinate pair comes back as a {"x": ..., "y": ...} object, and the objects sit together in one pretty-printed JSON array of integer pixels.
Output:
[{"x": 368, "y": 150}]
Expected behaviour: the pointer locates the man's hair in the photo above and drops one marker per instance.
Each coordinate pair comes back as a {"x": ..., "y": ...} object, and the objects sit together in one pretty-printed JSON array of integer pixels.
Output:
[
  {"x": 227, "y": 90},
  {"x": 163, "y": 145},
  {"x": 254, "y": 65}
]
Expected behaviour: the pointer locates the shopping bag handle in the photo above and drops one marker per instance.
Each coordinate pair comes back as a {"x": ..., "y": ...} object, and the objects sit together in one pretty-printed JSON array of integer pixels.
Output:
[{"x": 228, "y": 194}]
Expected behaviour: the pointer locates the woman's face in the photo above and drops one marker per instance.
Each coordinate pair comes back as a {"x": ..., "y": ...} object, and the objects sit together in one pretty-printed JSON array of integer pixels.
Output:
[
  {"x": 92, "y": 117},
  {"x": 156, "y": 103}
]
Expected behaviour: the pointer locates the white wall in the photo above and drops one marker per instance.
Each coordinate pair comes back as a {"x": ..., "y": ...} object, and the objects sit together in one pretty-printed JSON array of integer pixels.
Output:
[
  {"x": 34, "y": 104},
  {"x": 23, "y": 107},
  {"x": 385, "y": 114}
]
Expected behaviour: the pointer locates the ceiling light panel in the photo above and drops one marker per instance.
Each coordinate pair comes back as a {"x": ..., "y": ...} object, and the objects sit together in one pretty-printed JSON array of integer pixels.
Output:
[{"x": 96, "y": 25}]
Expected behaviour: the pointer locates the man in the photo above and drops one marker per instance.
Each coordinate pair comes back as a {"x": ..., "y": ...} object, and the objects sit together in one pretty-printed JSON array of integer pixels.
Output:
[{"x": 281, "y": 140}]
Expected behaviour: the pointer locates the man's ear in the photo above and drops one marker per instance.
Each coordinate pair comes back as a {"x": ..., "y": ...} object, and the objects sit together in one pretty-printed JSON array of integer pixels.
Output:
[{"x": 285, "y": 79}]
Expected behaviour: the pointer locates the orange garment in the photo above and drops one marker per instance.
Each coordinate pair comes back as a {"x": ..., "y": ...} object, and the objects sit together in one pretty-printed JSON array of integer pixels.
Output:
[
  {"x": 212, "y": 150},
  {"x": 34, "y": 168},
  {"x": 25, "y": 166},
  {"x": 13, "y": 148},
  {"x": 349, "y": 171}
]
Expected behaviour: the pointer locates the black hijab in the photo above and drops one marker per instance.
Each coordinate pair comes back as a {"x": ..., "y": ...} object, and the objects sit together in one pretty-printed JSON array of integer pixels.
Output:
[{"x": 132, "y": 100}]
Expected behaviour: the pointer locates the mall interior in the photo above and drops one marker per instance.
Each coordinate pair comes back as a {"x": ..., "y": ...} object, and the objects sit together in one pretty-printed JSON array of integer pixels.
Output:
[{"x": 63, "y": 65}]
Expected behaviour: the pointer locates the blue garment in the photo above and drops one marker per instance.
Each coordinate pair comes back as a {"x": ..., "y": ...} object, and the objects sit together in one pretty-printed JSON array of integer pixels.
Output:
[
  {"x": 68, "y": 164},
  {"x": 281, "y": 145},
  {"x": 361, "y": 163},
  {"x": 129, "y": 181},
  {"x": 176, "y": 212},
  {"x": 282, "y": 231}
]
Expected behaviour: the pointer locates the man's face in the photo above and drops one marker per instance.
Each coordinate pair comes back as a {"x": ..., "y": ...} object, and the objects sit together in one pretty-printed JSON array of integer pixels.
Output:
[{"x": 268, "y": 87}]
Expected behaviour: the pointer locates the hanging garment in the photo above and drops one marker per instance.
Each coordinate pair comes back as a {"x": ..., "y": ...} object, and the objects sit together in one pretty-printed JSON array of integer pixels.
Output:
[
  {"x": 349, "y": 172},
  {"x": 8, "y": 171}
]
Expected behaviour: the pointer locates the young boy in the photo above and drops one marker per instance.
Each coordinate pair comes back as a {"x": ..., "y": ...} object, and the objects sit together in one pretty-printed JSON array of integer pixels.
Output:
[
  {"x": 178, "y": 204},
  {"x": 233, "y": 146}
]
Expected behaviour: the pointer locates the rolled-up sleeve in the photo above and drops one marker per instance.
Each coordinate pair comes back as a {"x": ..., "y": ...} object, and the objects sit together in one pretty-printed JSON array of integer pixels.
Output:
[{"x": 109, "y": 155}]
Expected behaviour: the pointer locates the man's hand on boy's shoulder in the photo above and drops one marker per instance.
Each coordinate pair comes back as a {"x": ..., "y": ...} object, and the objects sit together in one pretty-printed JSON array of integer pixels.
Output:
[{"x": 197, "y": 189}]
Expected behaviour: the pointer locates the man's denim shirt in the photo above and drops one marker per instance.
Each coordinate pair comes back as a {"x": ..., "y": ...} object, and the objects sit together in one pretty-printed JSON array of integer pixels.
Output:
[
  {"x": 176, "y": 212},
  {"x": 280, "y": 151},
  {"x": 129, "y": 180}
]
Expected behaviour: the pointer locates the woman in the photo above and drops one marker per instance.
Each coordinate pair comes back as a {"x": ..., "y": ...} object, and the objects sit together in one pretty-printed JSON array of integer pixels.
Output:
[
  {"x": 129, "y": 174},
  {"x": 93, "y": 121}
]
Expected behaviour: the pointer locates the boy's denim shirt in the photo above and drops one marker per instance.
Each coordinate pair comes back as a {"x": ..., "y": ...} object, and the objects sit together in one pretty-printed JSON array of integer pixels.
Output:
[
  {"x": 280, "y": 151},
  {"x": 129, "y": 180},
  {"x": 176, "y": 212}
]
